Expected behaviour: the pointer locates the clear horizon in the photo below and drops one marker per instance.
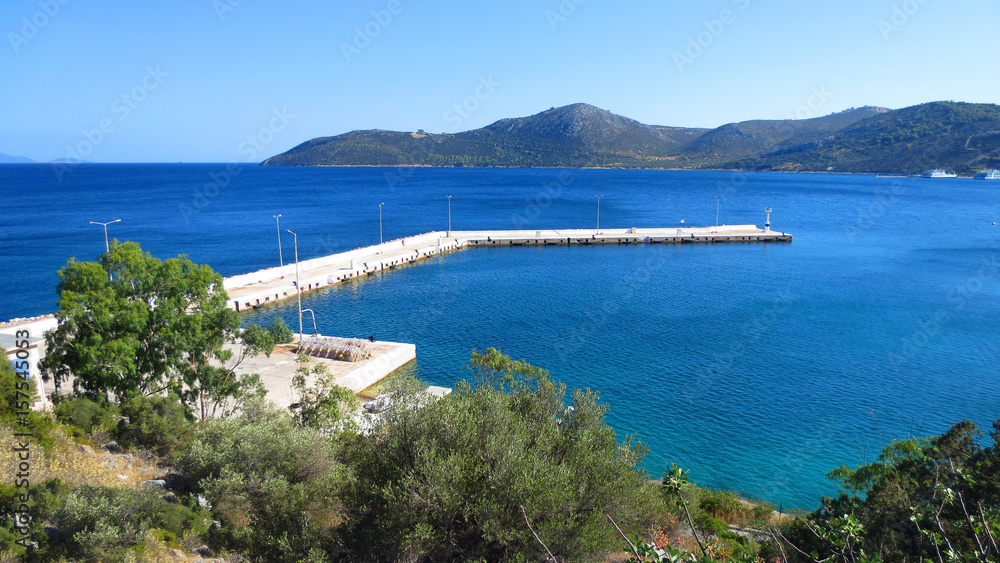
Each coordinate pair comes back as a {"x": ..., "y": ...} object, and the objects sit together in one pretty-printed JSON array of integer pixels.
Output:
[{"x": 237, "y": 81}]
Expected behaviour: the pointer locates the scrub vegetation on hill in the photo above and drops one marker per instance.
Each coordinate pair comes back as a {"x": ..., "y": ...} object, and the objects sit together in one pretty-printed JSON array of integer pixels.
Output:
[
  {"x": 961, "y": 137},
  {"x": 512, "y": 466}
]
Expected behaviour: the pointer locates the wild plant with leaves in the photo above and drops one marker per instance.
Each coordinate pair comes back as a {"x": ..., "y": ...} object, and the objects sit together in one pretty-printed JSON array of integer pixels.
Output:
[{"x": 935, "y": 499}]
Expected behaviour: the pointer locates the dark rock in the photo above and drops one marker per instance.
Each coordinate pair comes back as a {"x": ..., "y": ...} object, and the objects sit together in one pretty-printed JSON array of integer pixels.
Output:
[{"x": 113, "y": 447}]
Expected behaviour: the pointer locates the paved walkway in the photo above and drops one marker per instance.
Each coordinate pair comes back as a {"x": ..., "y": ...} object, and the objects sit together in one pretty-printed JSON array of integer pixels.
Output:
[{"x": 275, "y": 284}]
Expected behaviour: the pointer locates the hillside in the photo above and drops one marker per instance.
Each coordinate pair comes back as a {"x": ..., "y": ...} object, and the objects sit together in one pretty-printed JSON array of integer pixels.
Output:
[
  {"x": 960, "y": 137},
  {"x": 574, "y": 135},
  {"x": 957, "y": 136},
  {"x": 10, "y": 159},
  {"x": 758, "y": 137}
]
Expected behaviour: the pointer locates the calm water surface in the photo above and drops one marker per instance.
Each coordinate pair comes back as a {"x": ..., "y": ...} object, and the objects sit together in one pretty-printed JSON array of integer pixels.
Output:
[{"x": 760, "y": 367}]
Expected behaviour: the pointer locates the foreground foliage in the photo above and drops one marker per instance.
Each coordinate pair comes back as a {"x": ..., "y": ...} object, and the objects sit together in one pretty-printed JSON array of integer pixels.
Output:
[
  {"x": 277, "y": 486},
  {"x": 462, "y": 479},
  {"x": 510, "y": 467},
  {"x": 935, "y": 499}
]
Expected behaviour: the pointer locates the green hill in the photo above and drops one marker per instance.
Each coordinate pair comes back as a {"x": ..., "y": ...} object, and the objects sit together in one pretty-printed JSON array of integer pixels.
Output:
[
  {"x": 957, "y": 136},
  {"x": 960, "y": 137},
  {"x": 574, "y": 135},
  {"x": 758, "y": 137}
]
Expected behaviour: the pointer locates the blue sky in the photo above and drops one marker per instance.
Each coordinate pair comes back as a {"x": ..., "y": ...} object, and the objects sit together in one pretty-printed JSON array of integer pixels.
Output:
[{"x": 241, "y": 80}]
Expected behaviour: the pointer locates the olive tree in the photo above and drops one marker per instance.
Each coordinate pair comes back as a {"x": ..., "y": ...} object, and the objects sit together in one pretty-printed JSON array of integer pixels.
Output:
[{"x": 461, "y": 479}]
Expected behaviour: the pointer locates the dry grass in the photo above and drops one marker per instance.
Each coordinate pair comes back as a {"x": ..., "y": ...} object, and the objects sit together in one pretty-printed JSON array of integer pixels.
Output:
[{"x": 69, "y": 463}]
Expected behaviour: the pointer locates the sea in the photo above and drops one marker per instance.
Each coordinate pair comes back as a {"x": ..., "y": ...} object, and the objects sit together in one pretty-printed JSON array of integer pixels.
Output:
[{"x": 758, "y": 367}]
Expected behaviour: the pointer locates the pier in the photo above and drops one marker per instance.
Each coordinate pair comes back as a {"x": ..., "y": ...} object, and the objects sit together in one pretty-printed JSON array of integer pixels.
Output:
[{"x": 257, "y": 289}]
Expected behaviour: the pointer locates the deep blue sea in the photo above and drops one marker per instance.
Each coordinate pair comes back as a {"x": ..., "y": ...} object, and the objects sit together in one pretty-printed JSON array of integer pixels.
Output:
[{"x": 760, "y": 367}]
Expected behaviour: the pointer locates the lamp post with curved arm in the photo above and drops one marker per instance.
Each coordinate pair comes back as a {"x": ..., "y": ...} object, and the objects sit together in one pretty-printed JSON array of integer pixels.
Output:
[{"x": 298, "y": 286}]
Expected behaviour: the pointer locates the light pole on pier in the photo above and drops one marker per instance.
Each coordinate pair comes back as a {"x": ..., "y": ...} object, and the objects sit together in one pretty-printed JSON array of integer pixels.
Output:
[
  {"x": 380, "y": 226},
  {"x": 298, "y": 286},
  {"x": 107, "y": 247},
  {"x": 599, "y": 213},
  {"x": 718, "y": 201},
  {"x": 449, "y": 216},
  {"x": 281, "y": 260},
  {"x": 767, "y": 225}
]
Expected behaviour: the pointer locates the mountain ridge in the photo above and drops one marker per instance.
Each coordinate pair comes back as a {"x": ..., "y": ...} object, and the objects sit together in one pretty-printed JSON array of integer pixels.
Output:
[{"x": 867, "y": 139}]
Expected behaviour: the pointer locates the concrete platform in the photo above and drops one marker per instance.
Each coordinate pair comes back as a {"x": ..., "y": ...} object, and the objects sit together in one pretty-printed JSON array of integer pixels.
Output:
[
  {"x": 263, "y": 287},
  {"x": 277, "y": 371}
]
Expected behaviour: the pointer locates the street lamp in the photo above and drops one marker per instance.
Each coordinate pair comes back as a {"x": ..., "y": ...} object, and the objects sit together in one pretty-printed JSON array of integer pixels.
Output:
[
  {"x": 718, "y": 201},
  {"x": 281, "y": 261},
  {"x": 380, "y": 226},
  {"x": 298, "y": 286},
  {"x": 449, "y": 216},
  {"x": 599, "y": 213},
  {"x": 107, "y": 247}
]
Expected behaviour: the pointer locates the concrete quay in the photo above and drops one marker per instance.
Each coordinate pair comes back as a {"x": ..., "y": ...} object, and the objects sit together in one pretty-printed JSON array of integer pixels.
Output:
[
  {"x": 276, "y": 371},
  {"x": 256, "y": 289}
]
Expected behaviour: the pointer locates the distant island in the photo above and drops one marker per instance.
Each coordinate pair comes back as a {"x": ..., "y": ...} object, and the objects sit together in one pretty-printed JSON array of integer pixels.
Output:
[
  {"x": 11, "y": 159},
  {"x": 960, "y": 137}
]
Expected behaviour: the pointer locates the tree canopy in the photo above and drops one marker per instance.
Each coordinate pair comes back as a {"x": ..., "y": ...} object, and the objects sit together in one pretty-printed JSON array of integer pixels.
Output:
[{"x": 132, "y": 324}]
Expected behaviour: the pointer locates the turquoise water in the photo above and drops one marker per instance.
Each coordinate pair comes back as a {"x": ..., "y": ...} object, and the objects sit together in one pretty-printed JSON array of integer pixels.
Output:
[{"x": 759, "y": 367}]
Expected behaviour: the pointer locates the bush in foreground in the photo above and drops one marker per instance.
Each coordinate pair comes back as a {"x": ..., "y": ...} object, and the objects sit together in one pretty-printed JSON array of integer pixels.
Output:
[
  {"x": 478, "y": 474},
  {"x": 276, "y": 485}
]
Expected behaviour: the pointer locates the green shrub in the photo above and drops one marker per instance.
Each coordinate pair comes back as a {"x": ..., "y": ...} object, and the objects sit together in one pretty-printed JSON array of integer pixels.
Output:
[
  {"x": 102, "y": 523},
  {"x": 87, "y": 414},
  {"x": 280, "y": 332},
  {"x": 455, "y": 480},
  {"x": 43, "y": 501},
  {"x": 15, "y": 393},
  {"x": 276, "y": 486},
  {"x": 175, "y": 518},
  {"x": 159, "y": 423},
  {"x": 708, "y": 524},
  {"x": 724, "y": 505}
]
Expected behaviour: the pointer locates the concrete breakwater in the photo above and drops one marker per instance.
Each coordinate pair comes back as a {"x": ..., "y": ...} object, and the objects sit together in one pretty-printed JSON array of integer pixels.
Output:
[{"x": 267, "y": 286}]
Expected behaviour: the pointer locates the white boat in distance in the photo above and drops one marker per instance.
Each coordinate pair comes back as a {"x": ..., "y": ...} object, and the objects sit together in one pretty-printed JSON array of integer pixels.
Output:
[
  {"x": 937, "y": 173},
  {"x": 987, "y": 175}
]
